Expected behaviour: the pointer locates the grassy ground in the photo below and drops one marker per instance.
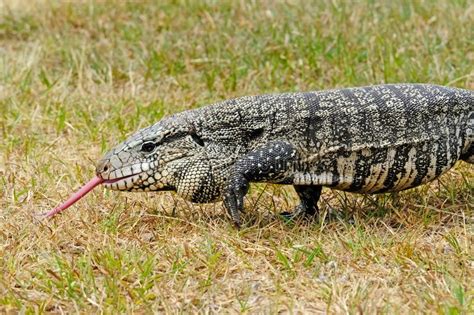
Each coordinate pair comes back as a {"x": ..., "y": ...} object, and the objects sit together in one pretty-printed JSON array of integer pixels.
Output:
[{"x": 75, "y": 79}]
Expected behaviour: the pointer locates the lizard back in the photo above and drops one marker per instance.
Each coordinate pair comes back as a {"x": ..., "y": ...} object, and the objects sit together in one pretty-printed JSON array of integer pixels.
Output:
[{"x": 368, "y": 139}]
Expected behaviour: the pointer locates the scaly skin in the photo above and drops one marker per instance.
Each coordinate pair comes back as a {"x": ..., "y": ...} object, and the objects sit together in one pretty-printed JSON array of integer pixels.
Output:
[{"x": 372, "y": 139}]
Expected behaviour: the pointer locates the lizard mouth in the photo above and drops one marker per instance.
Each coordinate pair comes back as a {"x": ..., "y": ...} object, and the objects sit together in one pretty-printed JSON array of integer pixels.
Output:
[
  {"x": 122, "y": 183},
  {"x": 111, "y": 181}
]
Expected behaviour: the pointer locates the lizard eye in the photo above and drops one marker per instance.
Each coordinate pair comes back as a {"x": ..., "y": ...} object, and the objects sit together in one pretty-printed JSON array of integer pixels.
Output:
[{"x": 148, "y": 147}]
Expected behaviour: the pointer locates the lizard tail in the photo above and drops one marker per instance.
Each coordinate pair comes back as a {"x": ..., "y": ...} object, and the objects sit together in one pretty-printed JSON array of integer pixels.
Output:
[{"x": 468, "y": 154}]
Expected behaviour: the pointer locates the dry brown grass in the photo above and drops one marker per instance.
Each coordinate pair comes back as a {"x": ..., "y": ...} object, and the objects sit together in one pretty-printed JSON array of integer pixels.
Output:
[{"x": 76, "y": 78}]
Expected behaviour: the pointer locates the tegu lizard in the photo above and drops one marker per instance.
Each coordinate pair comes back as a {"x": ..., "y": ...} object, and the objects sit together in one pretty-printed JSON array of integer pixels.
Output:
[{"x": 374, "y": 139}]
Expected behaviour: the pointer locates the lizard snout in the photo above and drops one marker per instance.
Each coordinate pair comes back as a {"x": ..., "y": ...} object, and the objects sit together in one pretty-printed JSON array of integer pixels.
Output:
[{"x": 103, "y": 167}]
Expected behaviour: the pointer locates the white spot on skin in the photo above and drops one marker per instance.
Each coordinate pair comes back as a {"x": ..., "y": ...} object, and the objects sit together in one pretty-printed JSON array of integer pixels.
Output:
[
  {"x": 345, "y": 168},
  {"x": 145, "y": 167},
  {"x": 116, "y": 174},
  {"x": 432, "y": 167},
  {"x": 410, "y": 171},
  {"x": 323, "y": 179},
  {"x": 136, "y": 169},
  {"x": 384, "y": 168},
  {"x": 126, "y": 171}
]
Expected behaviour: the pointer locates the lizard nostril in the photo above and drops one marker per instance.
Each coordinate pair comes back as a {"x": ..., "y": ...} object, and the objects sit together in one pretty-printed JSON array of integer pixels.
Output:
[{"x": 102, "y": 167}]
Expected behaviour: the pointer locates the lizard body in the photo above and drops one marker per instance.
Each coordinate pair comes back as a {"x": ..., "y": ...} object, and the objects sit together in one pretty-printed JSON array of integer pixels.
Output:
[{"x": 372, "y": 139}]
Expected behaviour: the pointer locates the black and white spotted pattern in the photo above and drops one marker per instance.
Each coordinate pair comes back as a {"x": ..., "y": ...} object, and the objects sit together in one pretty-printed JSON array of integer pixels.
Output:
[{"x": 369, "y": 140}]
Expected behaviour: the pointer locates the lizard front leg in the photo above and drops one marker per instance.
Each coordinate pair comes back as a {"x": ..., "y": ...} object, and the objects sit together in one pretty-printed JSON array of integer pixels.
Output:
[{"x": 269, "y": 163}]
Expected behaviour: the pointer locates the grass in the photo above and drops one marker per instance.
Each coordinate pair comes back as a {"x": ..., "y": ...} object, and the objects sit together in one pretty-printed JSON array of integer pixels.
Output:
[{"x": 76, "y": 78}]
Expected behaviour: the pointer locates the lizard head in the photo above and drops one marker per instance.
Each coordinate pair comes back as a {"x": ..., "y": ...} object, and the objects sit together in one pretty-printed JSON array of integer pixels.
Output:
[
  {"x": 152, "y": 159},
  {"x": 166, "y": 156}
]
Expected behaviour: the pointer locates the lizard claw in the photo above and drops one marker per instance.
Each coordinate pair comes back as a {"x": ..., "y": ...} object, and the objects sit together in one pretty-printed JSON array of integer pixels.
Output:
[
  {"x": 297, "y": 213},
  {"x": 234, "y": 198},
  {"x": 232, "y": 205}
]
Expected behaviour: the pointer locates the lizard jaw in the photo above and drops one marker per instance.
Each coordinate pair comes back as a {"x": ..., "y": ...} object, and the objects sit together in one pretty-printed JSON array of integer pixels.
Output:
[
  {"x": 123, "y": 183},
  {"x": 136, "y": 182}
]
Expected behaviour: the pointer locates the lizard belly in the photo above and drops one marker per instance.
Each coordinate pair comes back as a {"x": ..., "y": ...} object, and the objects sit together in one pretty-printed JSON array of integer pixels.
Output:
[{"x": 382, "y": 170}]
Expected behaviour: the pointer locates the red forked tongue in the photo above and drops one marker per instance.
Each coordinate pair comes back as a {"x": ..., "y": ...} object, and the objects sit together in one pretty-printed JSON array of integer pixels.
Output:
[{"x": 75, "y": 197}]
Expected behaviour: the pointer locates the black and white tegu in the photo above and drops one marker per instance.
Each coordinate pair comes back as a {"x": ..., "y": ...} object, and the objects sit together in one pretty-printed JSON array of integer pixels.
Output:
[{"x": 373, "y": 139}]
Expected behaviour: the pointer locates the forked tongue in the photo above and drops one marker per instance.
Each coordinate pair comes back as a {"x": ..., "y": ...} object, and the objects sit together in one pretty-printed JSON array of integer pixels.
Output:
[{"x": 76, "y": 196}]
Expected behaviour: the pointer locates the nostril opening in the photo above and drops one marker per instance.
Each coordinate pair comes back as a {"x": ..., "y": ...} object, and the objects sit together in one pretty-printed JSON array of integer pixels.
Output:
[{"x": 106, "y": 168}]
